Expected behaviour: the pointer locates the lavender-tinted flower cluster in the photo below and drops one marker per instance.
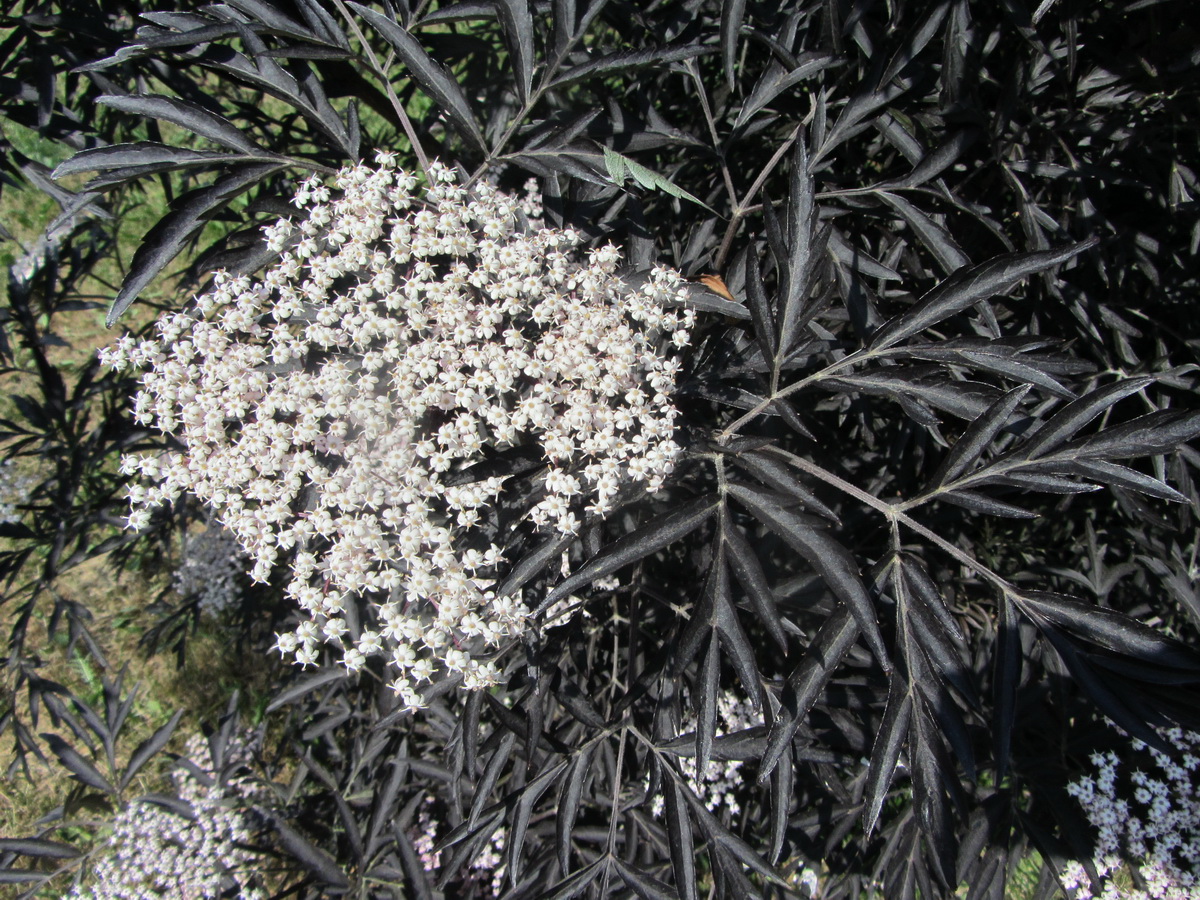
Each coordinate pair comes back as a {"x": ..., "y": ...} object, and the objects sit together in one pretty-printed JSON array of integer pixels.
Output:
[
  {"x": 721, "y": 783},
  {"x": 1157, "y": 833},
  {"x": 209, "y": 569},
  {"x": 487, "y": 869},
  {"x": 153, "y": 852},
  {"x": 328, "y": 411}
]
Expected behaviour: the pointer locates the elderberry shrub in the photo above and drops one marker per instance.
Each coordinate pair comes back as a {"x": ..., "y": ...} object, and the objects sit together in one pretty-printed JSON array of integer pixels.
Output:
[{"x": 775, "y": 498}]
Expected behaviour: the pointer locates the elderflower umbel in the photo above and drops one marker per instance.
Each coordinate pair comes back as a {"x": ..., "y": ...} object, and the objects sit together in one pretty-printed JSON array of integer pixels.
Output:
[
  {"x": 719, "y": 785},
  {"x": 330, "y": 413},
  {"x": 209, "y": 569},
  {"x": 487, "y": 869},
  {"x": 1158, "y": 833},
  {"x": 14, "y": 492},
  {"x": 154, "y": 851}
]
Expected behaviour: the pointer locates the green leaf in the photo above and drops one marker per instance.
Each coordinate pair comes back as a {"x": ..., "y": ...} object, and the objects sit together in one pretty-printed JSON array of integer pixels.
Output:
[{"x": 619, "y": 166}]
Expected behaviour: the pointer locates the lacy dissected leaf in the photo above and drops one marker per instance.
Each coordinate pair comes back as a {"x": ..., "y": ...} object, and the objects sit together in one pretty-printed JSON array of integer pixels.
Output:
[
  {"x": 648, "y": 539},
  {"x": 969, "y": 285},
  {"x": 828, "y": 557},
  {"x": 430, "y": 74}
]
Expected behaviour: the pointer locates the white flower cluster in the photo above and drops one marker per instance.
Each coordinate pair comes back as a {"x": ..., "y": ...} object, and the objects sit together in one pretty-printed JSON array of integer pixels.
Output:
[
  {"x": 721, "y": 781},
  {"x": 14, "y": 492},
  {"x": 1158, "y": 833},
  {"x": 209, "y": 569},
  {"x": 330, "y": 413},
  {"x": 155, "y": 853}
]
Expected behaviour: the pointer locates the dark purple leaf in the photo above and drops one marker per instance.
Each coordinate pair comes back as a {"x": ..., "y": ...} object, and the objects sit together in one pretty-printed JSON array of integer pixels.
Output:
[
  {"x": 977, "y": 437},
  {"x": 1006, "y": 677},
  {"x": 777, "y": 79},
  {"x": 708, "y": 685},
  {"x": 1128, "y": 714},
  {"x": 569, "y": 797},
  {"x": 760, "y": 309},
  {"x": 534, "y": 563},
  {"x": 828, "y": 557},
  {"x": 625, "y": 61},
  {"x": 936, "y": 162},
  {"x": 21, "y": 876},
  {"x": 1156, "y": 432},
  {"x": 80, "y": 768},
  {"x": 306, "y": 686},
  {"x": 750, "y": 575},
  {"x": 642, "y": 883},
  {"x": 302, "y": 850},
  {"x": 1109, "y": 474},
  {"x": 650, "y": 538},
  {"x": 1064, "y": 424},
  {"x": 439, "y": 84},
  {"x": 1109, "y": 629},
  {"x": 915, "y": 41},
  {"x": 885, "y": 754},
  {"x": 195, "y": 119},
  {"x": 981, "y": 503},
  {"x": 148, "y": 748},
  {"x": 483, "y": 788},
  {"x": 188, "y": 215},
  {"x": 38, "y": 848},
  {"x": 517, "y": 22},
  {"x": 139, "y": 155},
  {"x": 806, "y": 682},
  {"x": 732, "y": 13},
  {"x": 572, "y": 887},
  {"x": 530, "y": 794},
  {"x": 853, "y": 258},
  {"x": 804, "y": 249},
  {"x": 937, "y": 240},
  {"x": 783, "y": 778},
  {"x": 969, "y": 285}
]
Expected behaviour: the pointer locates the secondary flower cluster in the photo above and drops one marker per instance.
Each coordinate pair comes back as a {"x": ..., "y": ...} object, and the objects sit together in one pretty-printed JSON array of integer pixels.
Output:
[
  {"x": 1158, "y": 833},
  {"x": 719, "y": 785},
  {"x": 209, "y": 570},
  {"x": 722, "y": 783},
  {"x": 154, "y": 851},
  {"x": 487, "y": 869},
  {"x": 14, "y": 492},
  {"x": 332, "y": 413}
]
